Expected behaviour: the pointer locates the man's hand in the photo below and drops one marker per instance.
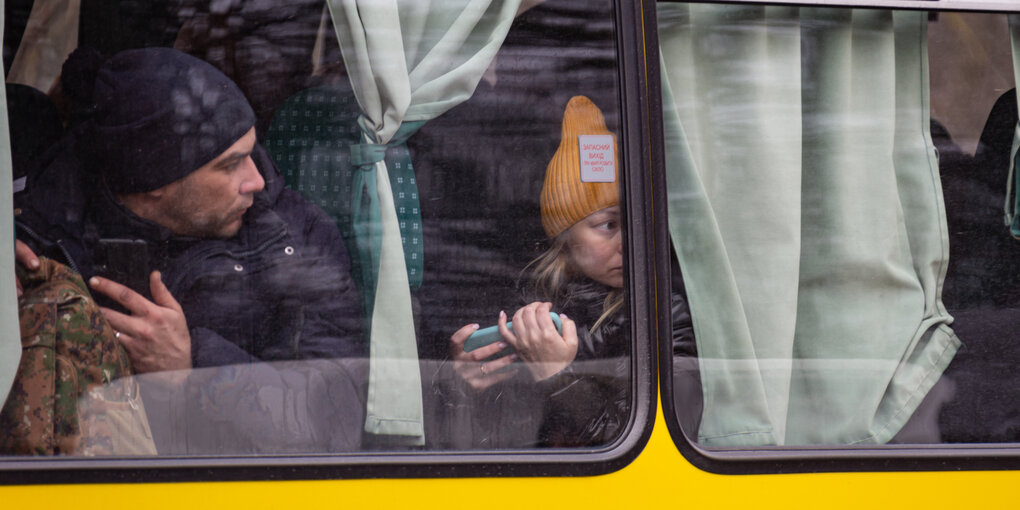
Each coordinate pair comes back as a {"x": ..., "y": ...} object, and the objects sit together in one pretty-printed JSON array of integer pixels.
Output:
[
  {"x": 155, "y": 335},
  {"x": 472, "y": 367},
  {"x": 26, "y": 257}
]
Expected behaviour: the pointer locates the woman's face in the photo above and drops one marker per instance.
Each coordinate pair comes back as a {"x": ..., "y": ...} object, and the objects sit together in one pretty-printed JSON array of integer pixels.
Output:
[{"x": 596, "y": 249}]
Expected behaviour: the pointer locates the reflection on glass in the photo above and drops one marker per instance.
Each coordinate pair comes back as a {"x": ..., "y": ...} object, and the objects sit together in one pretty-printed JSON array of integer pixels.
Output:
[{"x": 265, "y": 247}]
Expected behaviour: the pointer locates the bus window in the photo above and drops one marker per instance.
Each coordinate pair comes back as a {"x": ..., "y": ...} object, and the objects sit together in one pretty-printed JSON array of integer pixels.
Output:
[
  {"x": 836, "y": 180},
  {"x": 284, "y": 223}
]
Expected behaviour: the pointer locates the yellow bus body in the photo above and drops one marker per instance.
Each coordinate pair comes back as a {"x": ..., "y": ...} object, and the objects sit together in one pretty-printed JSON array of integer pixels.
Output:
[{"x": 660, "y": 476}]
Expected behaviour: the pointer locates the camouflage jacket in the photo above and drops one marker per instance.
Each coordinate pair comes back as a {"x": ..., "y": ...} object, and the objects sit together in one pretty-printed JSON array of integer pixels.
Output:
[{"x": 64, "y": 400}]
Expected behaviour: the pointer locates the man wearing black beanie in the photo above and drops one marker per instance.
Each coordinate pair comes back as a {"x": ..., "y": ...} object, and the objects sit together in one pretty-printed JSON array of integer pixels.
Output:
[{"x": 165, "y": 162}]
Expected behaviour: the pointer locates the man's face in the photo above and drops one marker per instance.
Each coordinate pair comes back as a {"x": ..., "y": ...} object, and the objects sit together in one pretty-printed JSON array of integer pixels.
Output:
[{"x": 211, "y": 201}]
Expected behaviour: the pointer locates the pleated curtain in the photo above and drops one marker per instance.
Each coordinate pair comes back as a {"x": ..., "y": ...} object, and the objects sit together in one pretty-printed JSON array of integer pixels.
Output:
[
  {"x": 409, "y": 61},
  {"x": 806, "y": 210},
  {"x": 1012, "y": 197},
  {"x": 10, "y": 334}
]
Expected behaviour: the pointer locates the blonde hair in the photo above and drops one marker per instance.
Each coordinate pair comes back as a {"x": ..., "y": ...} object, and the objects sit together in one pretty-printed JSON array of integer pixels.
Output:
[{"x": 552, "y": 270}]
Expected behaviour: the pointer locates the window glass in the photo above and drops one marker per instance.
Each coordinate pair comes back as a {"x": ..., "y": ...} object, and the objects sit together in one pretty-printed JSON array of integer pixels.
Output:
[
  {"x": 836, "y": 187},
  {"x": 296, "y": 215}
]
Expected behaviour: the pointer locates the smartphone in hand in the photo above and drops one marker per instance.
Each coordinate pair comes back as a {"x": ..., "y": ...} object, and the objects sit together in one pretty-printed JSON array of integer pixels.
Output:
[
  {"x": 125, "y": 261},
  {"x": 486, "y": 336}
]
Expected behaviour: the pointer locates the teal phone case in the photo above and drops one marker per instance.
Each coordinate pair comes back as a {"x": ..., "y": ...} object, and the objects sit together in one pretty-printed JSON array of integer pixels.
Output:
[{"x": 486, "y": 336}]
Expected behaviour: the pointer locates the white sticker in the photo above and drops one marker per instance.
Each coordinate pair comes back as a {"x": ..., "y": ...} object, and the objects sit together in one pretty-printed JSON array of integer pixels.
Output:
[
  {"x": 19, "y": 184},
  {"x": 598, "y": 158}
]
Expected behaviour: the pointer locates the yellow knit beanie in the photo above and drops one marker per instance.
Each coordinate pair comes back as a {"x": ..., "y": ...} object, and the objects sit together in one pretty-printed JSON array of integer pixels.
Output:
[{"x": 566, "y": 199}]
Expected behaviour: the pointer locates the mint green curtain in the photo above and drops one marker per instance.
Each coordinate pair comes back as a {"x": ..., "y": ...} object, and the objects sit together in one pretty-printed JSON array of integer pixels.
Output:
[
  {"x": 806, "y": 210},
  {"x": 409, "y": 61},
  {"x": 10, "y": 335},
  {"x": 1012, "y": 197}
]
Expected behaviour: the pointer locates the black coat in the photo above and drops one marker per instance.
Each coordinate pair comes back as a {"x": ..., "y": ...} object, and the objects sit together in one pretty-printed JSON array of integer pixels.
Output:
[
  {"x": 279, "y": 290},
  {"x": 588, "y": 403}
]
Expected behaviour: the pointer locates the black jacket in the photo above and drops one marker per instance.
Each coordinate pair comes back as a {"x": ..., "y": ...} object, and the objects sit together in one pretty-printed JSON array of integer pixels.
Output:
[
  {"x": 279, "y": 290},
  {"x": 588, "y": 403}
]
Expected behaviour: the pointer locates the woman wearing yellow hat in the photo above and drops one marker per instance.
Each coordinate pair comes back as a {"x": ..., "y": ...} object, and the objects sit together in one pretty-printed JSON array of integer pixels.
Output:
[{"x": 580, "y": 277}]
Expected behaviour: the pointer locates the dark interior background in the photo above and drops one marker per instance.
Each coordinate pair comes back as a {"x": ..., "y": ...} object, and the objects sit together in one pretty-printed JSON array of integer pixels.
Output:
[{"x": 479, "y": 166}]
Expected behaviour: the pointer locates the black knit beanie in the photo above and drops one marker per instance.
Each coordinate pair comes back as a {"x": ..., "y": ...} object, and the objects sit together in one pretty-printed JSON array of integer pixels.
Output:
[{"x": 160, "y": 114}]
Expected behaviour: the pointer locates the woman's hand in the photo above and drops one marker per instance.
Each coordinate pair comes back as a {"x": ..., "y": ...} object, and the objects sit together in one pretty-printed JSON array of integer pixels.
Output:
[
  {"x": 472, "y": 367},
  {"x": 545, "y": 351}
]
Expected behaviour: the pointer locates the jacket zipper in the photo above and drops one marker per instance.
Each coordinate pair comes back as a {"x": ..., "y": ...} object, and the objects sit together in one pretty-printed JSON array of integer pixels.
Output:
[{"x": 59, "y": 243}]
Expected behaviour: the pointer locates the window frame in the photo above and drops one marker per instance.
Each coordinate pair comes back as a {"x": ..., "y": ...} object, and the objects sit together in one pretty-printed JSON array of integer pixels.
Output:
[
  {"x": 637, "y": 190},
  {"x": 1002, "y": 6},
  {"x": 809, "y": 459}
]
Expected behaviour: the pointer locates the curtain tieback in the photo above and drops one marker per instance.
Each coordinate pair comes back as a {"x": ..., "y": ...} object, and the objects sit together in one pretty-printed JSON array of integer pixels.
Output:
[{"x": 365, "y": 207}]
